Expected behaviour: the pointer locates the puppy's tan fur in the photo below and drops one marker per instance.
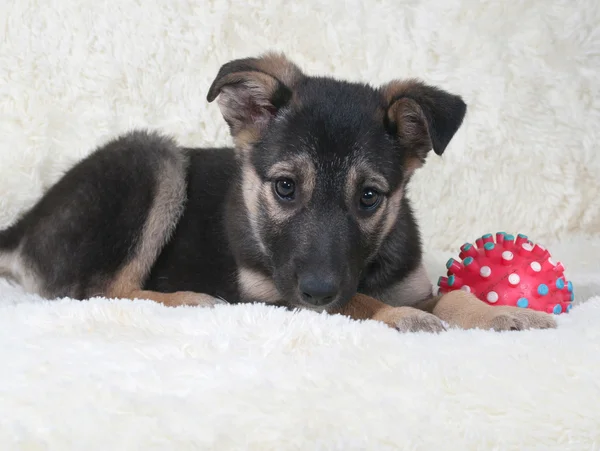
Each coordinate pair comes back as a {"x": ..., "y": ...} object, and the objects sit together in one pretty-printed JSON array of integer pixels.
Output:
[
  {"x": 168, "y": 206},
  {"x": 458, "y": 309},
  {"x": 256, "y": 286}
]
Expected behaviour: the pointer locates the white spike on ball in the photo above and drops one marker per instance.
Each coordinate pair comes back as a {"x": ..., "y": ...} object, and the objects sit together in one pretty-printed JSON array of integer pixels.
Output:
[
  {"x": 485, "y": 271},
  {"x": 507, "y": 255},
  {"x": 492, "y": 297}
]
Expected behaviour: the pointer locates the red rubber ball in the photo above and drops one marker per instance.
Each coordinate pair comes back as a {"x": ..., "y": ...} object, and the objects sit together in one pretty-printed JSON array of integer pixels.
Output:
[{"x": 510, "y": 271}]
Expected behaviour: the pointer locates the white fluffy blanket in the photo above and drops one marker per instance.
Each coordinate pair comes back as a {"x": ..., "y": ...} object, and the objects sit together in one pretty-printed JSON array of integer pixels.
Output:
[
  {"x": 122, "y": 375},
  {"x": 134, "y": 375}
]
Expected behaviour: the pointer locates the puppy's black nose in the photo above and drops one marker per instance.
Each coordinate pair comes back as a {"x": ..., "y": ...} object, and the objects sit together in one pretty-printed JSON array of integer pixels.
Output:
[{"x": 317, "y": 290}]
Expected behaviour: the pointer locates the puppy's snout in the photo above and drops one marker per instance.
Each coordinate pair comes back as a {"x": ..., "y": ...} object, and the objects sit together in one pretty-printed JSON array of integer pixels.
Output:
[{"x": 318, "y": 289}]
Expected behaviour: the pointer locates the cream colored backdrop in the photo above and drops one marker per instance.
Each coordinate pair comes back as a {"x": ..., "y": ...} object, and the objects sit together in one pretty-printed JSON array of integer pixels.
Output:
[{"x": 72, "y": 74}]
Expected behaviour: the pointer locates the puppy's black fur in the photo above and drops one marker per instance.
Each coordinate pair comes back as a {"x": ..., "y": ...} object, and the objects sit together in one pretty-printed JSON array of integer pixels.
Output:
[
  {"x": 199, "y": 257},
  {"x": 117, "y": 223}
]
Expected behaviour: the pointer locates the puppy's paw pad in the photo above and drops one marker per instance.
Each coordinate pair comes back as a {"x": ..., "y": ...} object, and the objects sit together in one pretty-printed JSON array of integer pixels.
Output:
[{"x": 419, "y": 322}]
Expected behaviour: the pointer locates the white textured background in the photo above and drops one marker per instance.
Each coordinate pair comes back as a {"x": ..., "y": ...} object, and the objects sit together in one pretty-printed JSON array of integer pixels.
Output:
[
  {"x": 124, "y": 375},
  {"x": 73, "y": 74}
]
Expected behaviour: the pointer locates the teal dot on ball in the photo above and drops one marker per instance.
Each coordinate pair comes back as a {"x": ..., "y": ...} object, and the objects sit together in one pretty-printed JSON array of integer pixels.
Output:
[{"x": 523, "y": 303}]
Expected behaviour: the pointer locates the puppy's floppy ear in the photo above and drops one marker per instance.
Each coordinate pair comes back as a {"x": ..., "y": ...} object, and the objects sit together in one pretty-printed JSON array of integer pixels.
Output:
[
  {"x": 251, "y": 91},
  {"x": 423, "y": 117}
]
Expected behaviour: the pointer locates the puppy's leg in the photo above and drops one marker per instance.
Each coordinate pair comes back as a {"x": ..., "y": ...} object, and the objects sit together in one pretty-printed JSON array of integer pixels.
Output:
[
  {"x": 162, "y": 218},
  {"x": 464, "y": 310},
  {"x": 176, "y": 299},
  {"x": 99, "y": 230},
  {"x": 457, "y": 308},
  {"x": 403, "y": 319},
  {"x": 395, "y": 305}
]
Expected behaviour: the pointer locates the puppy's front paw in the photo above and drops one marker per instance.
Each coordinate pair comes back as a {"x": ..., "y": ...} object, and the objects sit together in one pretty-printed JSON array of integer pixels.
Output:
[
  {"x": 204, "y": 300},
  {"x": 514, "y": 318},
  {"x": 465, "y": 310},
  {"x": 408, "y": 319},
  {"x": 181, "y": 298},
  {"x": 425, "y": 322}
]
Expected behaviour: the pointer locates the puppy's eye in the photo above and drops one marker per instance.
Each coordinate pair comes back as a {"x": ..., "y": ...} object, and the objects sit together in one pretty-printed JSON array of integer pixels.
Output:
[
  {"x": 369, "y": 199},
  {"x": 285, "y": 188}
]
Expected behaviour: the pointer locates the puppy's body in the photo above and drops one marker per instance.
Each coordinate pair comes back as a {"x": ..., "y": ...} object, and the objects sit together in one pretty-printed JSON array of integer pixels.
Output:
[
  {"x": 308, "y": 210},
  {"x": 86, "y": 230}
]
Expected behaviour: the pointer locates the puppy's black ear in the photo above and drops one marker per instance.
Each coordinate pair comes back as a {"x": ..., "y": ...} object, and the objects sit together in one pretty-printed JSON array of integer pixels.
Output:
[
  {"x": 251, "y": 91},
  {"x": 423, "y": 117}
]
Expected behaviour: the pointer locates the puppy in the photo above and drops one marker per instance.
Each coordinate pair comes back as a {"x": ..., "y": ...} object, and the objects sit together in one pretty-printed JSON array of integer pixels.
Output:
[{"x": 308, "y": 210}]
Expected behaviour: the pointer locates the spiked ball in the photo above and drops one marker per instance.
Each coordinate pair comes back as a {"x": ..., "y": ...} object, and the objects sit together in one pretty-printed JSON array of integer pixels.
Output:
[{"x": 510, "y": 271}]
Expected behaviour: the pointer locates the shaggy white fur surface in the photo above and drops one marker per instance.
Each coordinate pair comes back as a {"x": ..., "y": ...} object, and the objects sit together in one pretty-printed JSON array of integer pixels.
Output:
[
  {"x": 133, "y": 375},
  {"x": 121, "y": 375},
  {"x": 125, "y": 375}
]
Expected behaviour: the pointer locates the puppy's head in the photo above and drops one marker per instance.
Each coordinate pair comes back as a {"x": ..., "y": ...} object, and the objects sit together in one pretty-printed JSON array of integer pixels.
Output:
[{"x": 325, "y": 165}]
